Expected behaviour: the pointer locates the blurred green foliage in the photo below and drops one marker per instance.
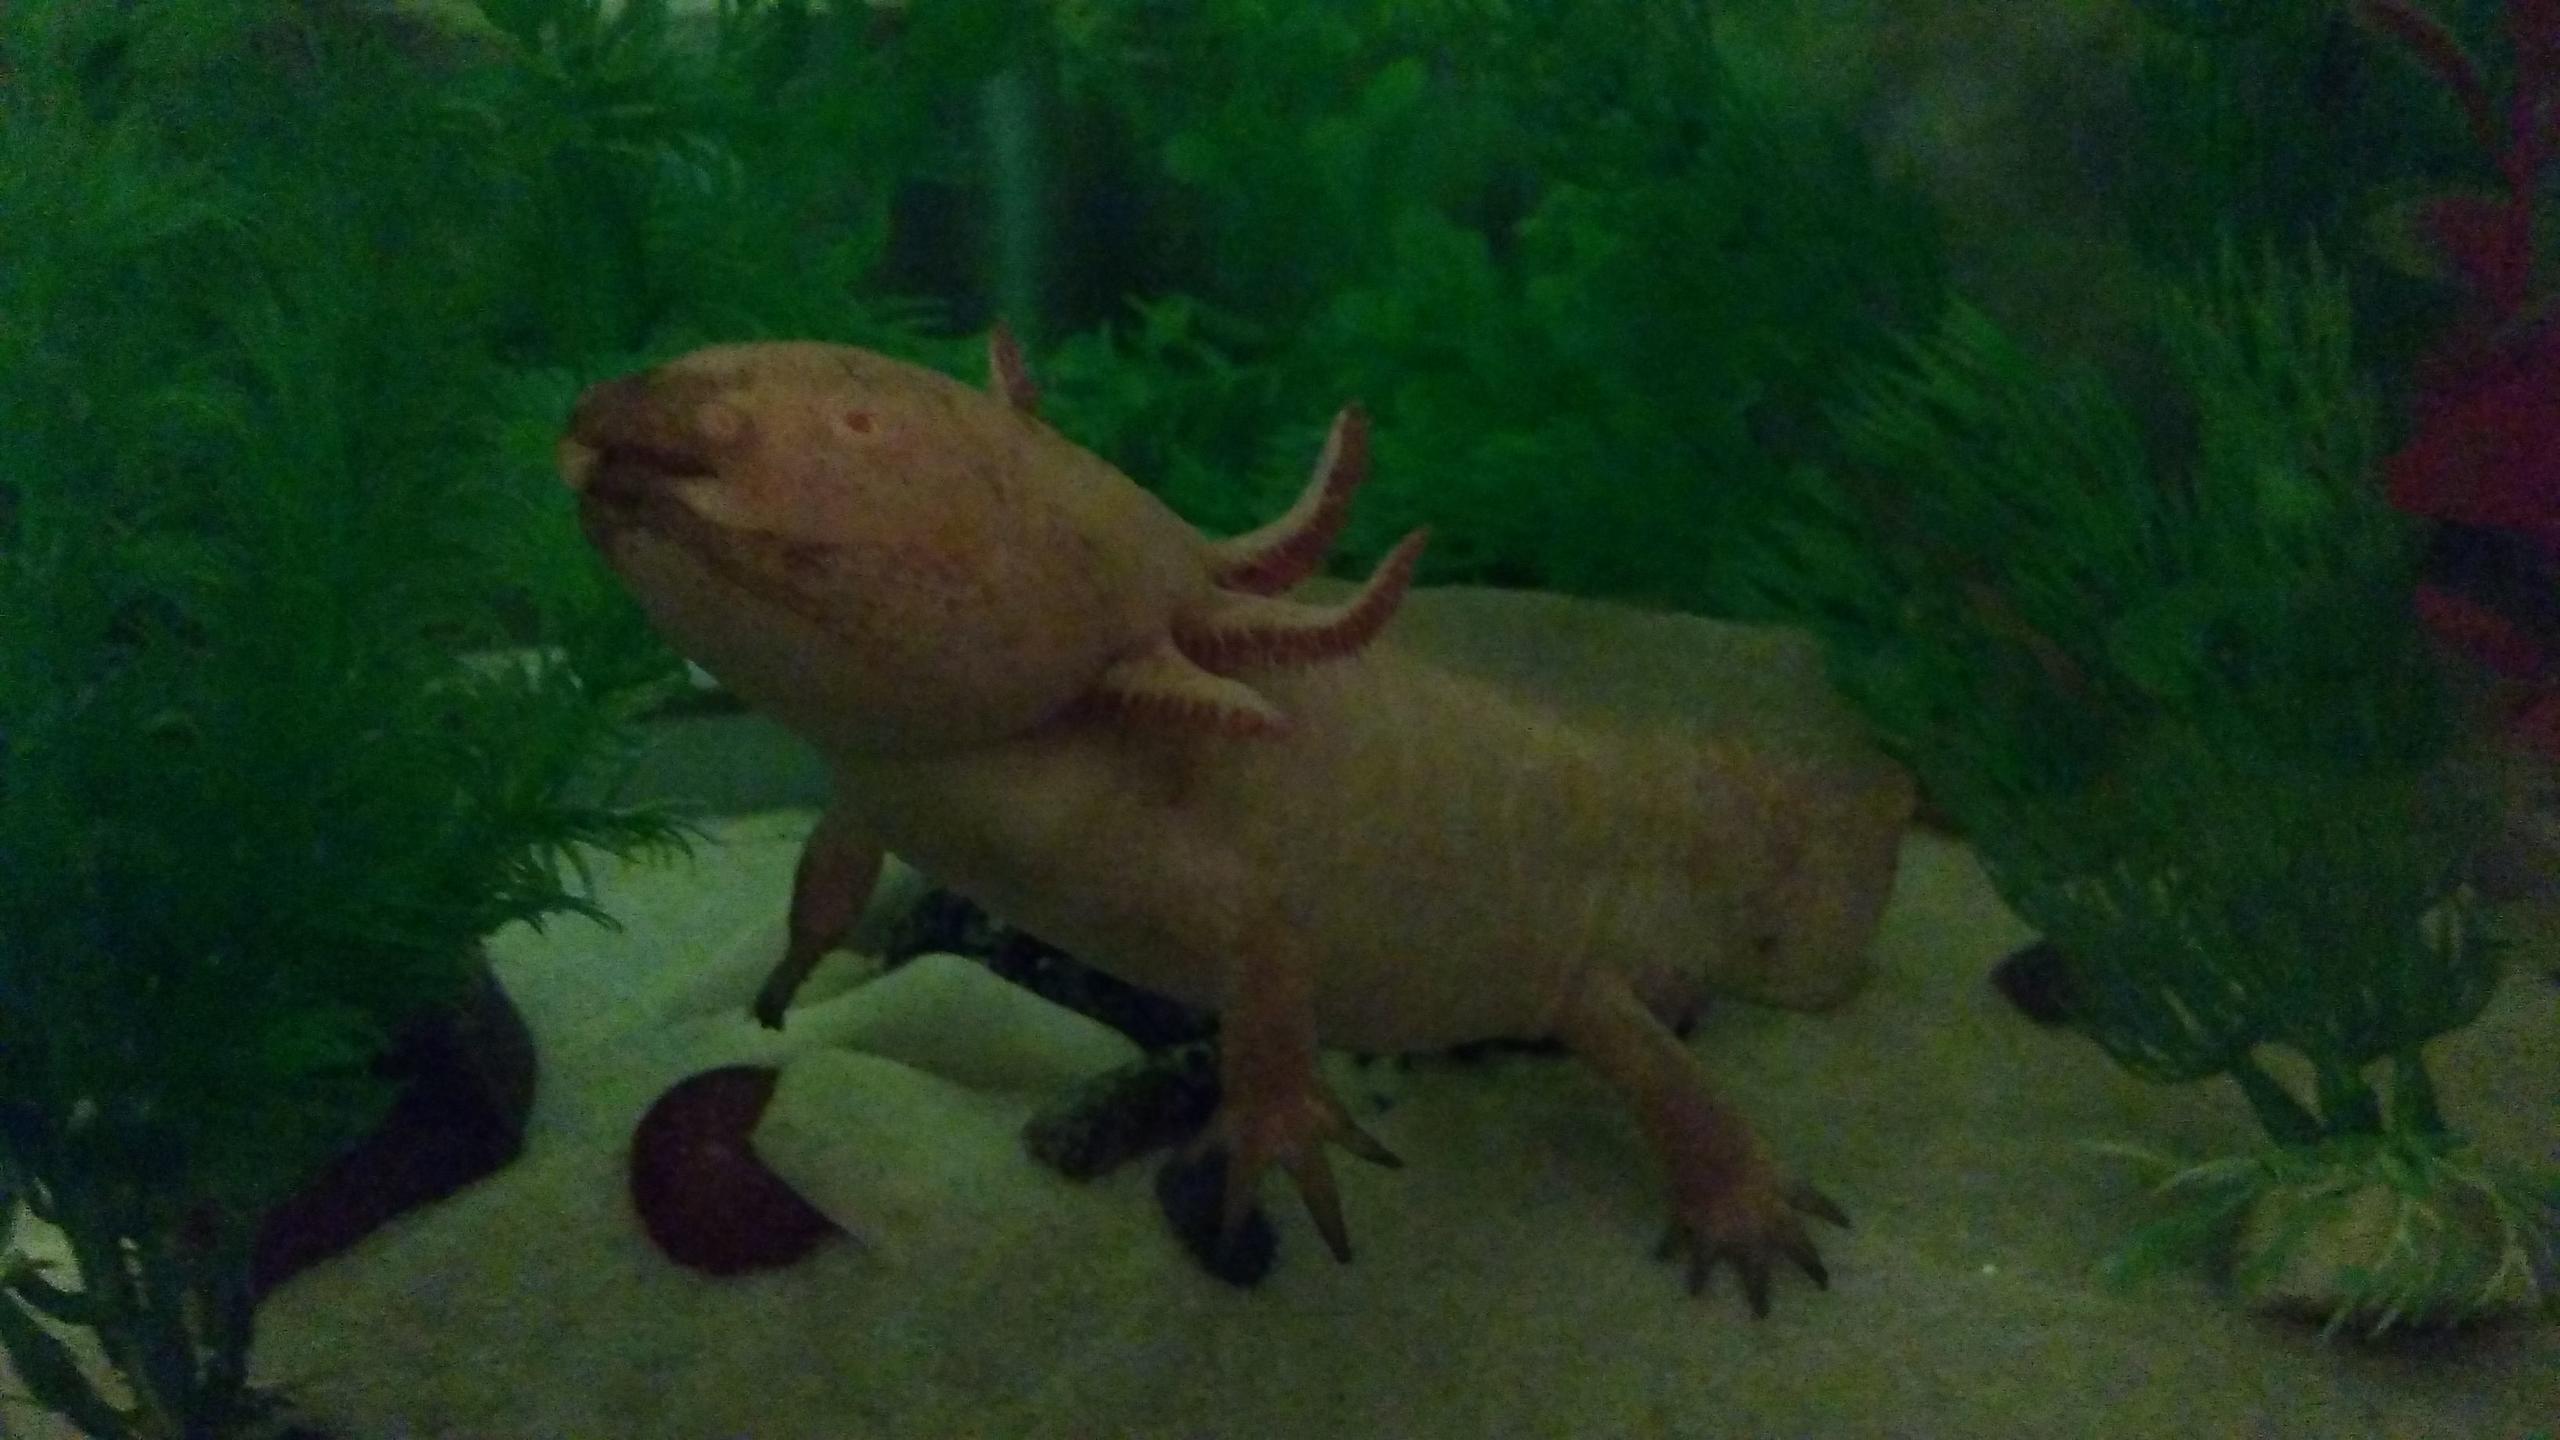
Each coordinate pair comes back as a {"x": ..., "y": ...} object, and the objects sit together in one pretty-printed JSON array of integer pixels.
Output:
[
  {"x": 307, "y": 683},
  {"x": 294, "y": 296},
  {"x": 2173, "y": 691},
  {"x": 1593, "y": 286},
  {"x": 2293, "y": 122}
]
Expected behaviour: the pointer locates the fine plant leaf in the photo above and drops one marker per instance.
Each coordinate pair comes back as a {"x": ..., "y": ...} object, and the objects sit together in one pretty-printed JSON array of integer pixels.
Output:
[
  {"x": 26, "y": 1280},
  {"x": 278, "y": 473},
  {"x": 2160, "y": 673},
  {"x": 1593, "y": 292},
  {"x": 2466, "y": 1235},
  {"x": 46, "y": 1366}
]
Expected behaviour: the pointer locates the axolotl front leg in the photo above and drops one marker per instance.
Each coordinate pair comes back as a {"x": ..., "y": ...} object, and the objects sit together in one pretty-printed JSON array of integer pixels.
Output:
[
  {"x": 1274, "y": 1109},
  {"x": 839, "y": 867}
]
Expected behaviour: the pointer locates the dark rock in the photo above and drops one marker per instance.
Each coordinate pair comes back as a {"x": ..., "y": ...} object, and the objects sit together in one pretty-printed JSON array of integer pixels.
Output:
[
  {"x": 2037, "y": 981},
  {"x": 702, "y": 1193},
  {"x": 1190, "y": 1188},
  {"x": 1162, "y": 1100},
  {"x": 466, "y": 1077},
  {"x": 1475, "y": 1051},
  {"x": 943, "y": 922}
]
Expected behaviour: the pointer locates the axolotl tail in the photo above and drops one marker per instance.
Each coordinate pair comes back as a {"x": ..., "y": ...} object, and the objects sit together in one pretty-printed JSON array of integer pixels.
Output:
[{"x": 1805, "y": 847}]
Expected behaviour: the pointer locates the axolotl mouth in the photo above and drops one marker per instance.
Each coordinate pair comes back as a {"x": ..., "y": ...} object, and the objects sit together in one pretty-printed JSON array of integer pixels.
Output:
[
  {"x": 657, "y": 461},
  {"x": 629, "y": 442}
]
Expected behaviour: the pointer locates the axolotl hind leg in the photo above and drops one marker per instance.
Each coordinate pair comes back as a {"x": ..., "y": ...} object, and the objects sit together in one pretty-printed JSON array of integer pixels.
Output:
[{"x": 1730, "y": 1199}]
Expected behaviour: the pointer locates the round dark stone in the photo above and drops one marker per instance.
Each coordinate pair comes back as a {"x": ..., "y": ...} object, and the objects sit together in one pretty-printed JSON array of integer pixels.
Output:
[
  {"x": 702, "y": 1194},
  {"x": 2036, "y": 980},
  {"x": 465, "y": 1077}
]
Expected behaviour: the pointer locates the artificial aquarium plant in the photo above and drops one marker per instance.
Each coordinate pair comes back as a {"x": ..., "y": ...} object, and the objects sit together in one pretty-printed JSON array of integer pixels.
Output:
[
  {"x": 2170, "y": 683},
  {"x": 305, "y": 684},
  {"x": 2418, "y": 140},
  {"x": 1587, "y": 274},
  {"x": 2483, "y": 453}
]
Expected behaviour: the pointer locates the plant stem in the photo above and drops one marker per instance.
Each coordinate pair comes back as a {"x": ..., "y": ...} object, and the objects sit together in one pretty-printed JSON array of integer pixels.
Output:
[
  {"x": 231, "y": 1314},
  {"x": 1010, "y": 116},
  {"x": 2348, "y": 1105},
  {"x": 2283, "y": 1117},
  {"x": 142, "y": 1328},
  {"x": 2413, "y": 1096},
  {"x": 168, "y": 1344},
  {"x": 99, "y": 1254}
]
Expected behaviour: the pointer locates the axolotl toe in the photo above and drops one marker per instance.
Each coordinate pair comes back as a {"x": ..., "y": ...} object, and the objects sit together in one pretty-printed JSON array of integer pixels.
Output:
[{"x": 1036, "y": 683}]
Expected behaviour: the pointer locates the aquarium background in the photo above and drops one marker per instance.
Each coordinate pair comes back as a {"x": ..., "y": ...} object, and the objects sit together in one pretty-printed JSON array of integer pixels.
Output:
[{"x": 2146, "y": 406}]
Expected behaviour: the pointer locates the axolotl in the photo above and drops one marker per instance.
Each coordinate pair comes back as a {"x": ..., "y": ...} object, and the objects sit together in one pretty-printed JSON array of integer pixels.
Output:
[{"x": 1035, "y": 682}]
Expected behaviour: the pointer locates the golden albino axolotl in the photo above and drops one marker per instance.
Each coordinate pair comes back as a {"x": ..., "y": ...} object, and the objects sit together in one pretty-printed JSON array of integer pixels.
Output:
[{"x": 1037, "y": 684}]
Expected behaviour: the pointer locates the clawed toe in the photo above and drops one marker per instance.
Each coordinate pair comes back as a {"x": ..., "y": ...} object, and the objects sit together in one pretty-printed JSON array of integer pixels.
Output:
[
  {"x": 1798, "y": 1248},
  {"x": 1314, "y": 1178},
  {"x": 1750, "y": 1260},
  {"x": 1749, "y": 1236},
  {"x": 1363, "y": 1144},
  {"x": 1813, "y": 1202},
  {"x": 1293, "y": 1137}
]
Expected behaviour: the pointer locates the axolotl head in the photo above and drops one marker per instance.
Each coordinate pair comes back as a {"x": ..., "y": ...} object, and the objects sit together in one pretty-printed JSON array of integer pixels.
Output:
[{"x": 877, "y": 555}]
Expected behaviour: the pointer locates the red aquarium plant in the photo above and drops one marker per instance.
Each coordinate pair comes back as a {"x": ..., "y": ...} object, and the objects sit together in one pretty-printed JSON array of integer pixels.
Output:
[{"x": 2483, "y": 457}]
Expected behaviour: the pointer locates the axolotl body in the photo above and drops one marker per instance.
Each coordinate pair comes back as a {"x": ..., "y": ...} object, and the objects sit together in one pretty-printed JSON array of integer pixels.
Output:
[{"x": 1034, "y": 682}]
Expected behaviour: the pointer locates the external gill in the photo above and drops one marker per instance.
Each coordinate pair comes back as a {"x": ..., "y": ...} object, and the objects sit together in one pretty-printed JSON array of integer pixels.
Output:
[
  {"x": 1260, "y": 632},
  {"x": 1188, "y": 678},
  {"x": 1276, "y": 556}
]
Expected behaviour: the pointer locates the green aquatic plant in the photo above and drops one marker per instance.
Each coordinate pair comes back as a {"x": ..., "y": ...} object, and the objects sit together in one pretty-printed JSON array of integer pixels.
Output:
[
  {"x": 1594, "y": 292},
  {"x": 306, "y": 682},
  {"x": 2422, "y": 1234},
  {"x": 2266, "y": 117},
  {"x": 656, "y": 178},
  {"x": 2301, "y": 121},
  {"x": 2174, "y": 692}
]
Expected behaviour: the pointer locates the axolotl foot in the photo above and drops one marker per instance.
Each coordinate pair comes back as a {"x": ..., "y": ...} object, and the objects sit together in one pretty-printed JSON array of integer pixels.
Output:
[
  {"x": 1748, "y": 1218},
  {"x": 1730, "y": 1199},
  {"x": 1288, "y": 1127}
]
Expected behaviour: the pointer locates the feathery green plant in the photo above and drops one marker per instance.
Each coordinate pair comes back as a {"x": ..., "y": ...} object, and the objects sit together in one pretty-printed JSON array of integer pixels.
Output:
[
  {"x": 1594, "y": 289},
  {"x": 2287, "y": 122},
  {"x": 307, "y": 683},
  {"x": 2176, "y": 697}
]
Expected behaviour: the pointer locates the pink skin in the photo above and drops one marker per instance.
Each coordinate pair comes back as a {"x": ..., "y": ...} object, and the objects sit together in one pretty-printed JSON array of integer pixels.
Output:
[
  {"x": 1356, "y": 848},
  {"x": 964, "y": 571}
]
